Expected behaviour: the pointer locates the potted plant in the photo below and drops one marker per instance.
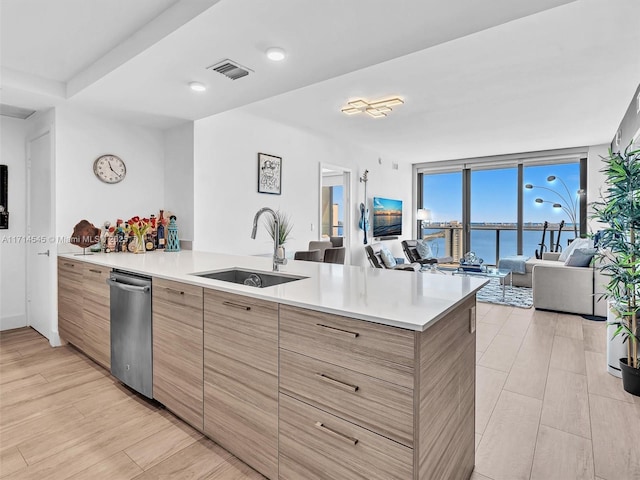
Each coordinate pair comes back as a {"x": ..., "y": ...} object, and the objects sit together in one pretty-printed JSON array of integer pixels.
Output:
[
  {"x": 619, "y": 253},
  {"x": 285, "y": 229}
]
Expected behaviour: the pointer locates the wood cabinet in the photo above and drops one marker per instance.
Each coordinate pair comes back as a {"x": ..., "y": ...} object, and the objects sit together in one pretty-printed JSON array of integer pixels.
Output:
[
  {"x": 96, "y": 314},
  {"x": 374, "y": 404},
  {"x": 373, "y": 349},
  {"x": 297, "y": 393},
  {"x": 241, "y": 377},
  {"x": 83, "y": 308},
  {"x": 178, "y": 349},
  {"x": 362, "y": 400},
  {"x": 316, "y": 445},
  {"x": 70, "y": 315}
]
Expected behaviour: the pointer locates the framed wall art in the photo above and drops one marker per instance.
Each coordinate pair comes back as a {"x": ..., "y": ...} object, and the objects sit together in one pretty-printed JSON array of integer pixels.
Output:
[{"x": 269, "y": 174}]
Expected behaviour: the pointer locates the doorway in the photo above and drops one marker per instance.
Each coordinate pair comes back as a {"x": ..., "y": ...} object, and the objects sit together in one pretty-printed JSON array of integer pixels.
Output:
[
  {"x": 41, "y": 247},
  {"x": 335, "y": 205}
]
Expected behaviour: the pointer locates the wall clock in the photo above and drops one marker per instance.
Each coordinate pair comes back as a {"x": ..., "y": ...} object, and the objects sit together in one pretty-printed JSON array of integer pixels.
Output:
[{"x": 109, "y": 168}]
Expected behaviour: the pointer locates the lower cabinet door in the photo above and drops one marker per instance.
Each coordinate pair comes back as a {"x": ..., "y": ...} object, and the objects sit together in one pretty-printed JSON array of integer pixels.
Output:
[
  {"x": 241, "y": 378},
  {"x": 96, "y": 314},
  {"x": 316, "y": 445},
  {"x": 177, "y": 349}
]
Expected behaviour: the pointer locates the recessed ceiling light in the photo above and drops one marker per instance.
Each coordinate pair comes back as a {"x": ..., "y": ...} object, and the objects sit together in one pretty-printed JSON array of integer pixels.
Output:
[
  {"x": 197, "y": 86},
  {"x": 276, "y": 54}
]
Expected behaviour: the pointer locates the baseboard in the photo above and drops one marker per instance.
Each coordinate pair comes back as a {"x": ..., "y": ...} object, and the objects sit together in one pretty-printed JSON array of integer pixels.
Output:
[
  {"x": 13, "y": 321},
  {"x": 55, "y": 340}
]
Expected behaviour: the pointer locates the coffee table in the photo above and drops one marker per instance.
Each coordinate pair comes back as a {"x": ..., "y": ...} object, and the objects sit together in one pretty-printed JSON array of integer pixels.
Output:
[{"x": 491, "y": 272}]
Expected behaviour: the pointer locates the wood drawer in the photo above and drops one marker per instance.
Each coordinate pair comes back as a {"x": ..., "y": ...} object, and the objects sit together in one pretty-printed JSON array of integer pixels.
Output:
[
  {"x": 69, "y": 266},
  {"x": 377, "y": 405},
  {"x": 316, "y": 445},
  {"x": 241, "y": 329},
  {"x": 377, "y": 350},
  {"x": 179, "y": 299}
]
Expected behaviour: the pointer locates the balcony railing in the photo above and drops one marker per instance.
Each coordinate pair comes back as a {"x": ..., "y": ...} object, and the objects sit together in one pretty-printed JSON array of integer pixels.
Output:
[{"x": 450, "y": 239}]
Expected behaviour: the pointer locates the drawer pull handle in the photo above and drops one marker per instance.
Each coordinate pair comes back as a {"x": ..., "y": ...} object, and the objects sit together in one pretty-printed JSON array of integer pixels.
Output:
[
  {"x": 236, "y": 305},
  {"x": 345, "y": 386},
  {"x": 69, "y": 264},
  {"x": 95, "y": 271},
  {"x": 338, "y": 435},
  {"x": 171, "y": 290},
  {"x": 339, "y": 330}
]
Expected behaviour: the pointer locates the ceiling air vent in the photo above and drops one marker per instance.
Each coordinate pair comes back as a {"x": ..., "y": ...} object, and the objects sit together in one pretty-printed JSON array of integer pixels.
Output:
[
  {"x": 230, "y": 69},
  {"x": 15, "y": 112}
]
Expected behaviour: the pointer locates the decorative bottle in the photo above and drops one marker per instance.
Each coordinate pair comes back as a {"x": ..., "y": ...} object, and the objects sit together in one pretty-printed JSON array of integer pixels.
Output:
[
  {"x": 119, "y": 235},
  {"x": 148, "y": 238},
  {"x": 161, "y": 237}
]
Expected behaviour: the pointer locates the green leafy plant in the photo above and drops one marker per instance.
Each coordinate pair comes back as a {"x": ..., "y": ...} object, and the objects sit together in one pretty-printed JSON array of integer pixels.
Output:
[
  {"x": 619, "y": 243},
  {"x": 286, "y": 225}
]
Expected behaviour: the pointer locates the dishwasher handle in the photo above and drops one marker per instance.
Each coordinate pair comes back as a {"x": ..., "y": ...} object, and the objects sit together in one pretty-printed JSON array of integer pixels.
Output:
[{"x": 128, "y": 288}]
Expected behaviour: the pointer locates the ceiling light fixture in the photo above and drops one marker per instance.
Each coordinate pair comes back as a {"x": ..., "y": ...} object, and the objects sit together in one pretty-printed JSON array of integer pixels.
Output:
[
  {"x": 377, "y": 109},
  {"x": 197, "y": 87},
  {"x": 276, "y": 54}
]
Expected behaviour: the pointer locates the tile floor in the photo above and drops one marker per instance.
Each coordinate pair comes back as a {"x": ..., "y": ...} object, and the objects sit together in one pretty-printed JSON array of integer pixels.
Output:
[{"x": 546, "y": 409}]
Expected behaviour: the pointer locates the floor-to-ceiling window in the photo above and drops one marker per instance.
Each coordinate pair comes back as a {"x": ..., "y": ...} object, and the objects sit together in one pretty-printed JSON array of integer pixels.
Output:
[
  {"x": 551, "y": 194},
  {"x": 498, "y": 211},
  {"x": 494, "y": 213},
  {"x": 442, "y": 202}
]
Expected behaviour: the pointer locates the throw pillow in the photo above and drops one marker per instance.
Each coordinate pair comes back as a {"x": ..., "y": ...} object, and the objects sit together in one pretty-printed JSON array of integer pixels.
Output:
[
  {"x": 387, "y": 258},
  {"x": 580, "y": 257},
  {"x": 424, "y": 249},
  {"x": 577, "y": 243}
]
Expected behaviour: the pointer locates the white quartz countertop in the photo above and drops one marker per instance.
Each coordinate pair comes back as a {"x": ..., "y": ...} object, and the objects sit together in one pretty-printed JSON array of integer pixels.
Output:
[{"x": 411, "y": 300}]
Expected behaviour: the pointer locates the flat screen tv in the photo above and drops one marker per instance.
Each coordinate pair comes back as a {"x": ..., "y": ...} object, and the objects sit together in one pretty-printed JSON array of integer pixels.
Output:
[{"x": 387, "y": 217}]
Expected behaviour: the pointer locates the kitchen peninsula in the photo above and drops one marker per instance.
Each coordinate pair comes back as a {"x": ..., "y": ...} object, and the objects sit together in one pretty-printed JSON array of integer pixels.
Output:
[{"x": 350, "y": 372}]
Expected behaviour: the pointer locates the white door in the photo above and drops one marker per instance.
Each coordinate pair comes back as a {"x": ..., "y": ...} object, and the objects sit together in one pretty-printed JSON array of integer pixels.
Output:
[{"x": 41, "y": 249}]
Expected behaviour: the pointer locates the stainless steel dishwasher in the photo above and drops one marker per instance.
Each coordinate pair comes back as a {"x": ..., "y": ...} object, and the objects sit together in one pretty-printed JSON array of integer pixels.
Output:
[{"x": 131, "y": 342}]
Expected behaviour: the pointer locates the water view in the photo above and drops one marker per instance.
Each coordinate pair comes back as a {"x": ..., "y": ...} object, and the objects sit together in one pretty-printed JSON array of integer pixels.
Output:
[{"x": 550, "y": 193}]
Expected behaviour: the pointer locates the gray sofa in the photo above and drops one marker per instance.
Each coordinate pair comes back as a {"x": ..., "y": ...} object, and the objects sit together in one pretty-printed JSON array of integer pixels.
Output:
[{"x": 565, "y": 289}]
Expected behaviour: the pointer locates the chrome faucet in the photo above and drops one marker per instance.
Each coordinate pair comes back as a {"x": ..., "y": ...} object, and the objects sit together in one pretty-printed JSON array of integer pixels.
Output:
[{"x": 277, "y": 261}]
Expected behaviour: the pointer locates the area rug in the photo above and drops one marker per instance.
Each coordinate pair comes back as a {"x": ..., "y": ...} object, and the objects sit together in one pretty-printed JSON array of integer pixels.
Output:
[{"x": 521, "y": 297}]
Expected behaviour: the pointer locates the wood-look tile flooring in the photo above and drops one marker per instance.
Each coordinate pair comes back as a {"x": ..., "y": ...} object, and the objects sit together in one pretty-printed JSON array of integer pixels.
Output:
[
  {"x": 546, "y": 409},
  {"x": 64, "y": 417}
]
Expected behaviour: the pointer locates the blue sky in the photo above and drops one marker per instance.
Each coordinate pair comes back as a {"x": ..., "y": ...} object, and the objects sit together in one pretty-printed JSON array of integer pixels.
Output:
[{"x": 494, "y": 194}]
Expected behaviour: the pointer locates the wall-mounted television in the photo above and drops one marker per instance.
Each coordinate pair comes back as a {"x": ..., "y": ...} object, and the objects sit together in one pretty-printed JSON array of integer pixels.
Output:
[{"x": 387, "y": 217}]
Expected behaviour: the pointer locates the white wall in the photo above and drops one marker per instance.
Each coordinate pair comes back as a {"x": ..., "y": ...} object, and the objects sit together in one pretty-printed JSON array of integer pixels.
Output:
[
  {"x": 595, "y": 181},
  {"x": 178, "y": 182},
  {"x": 12, "y": 254},
  {"x": 225, "y": 185},
  {"x": 80, "y": 139}
]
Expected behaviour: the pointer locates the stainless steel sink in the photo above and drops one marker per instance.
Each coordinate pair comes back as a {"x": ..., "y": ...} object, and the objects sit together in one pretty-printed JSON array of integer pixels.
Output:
[{"x": 252, "y": 278}]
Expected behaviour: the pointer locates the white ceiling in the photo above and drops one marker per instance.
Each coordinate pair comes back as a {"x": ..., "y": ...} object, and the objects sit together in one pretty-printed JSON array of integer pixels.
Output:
[
  {"x": 561, "y": 78},
  {"x": 486, "y": 77},
  {"x": 56, "y": 39}
]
